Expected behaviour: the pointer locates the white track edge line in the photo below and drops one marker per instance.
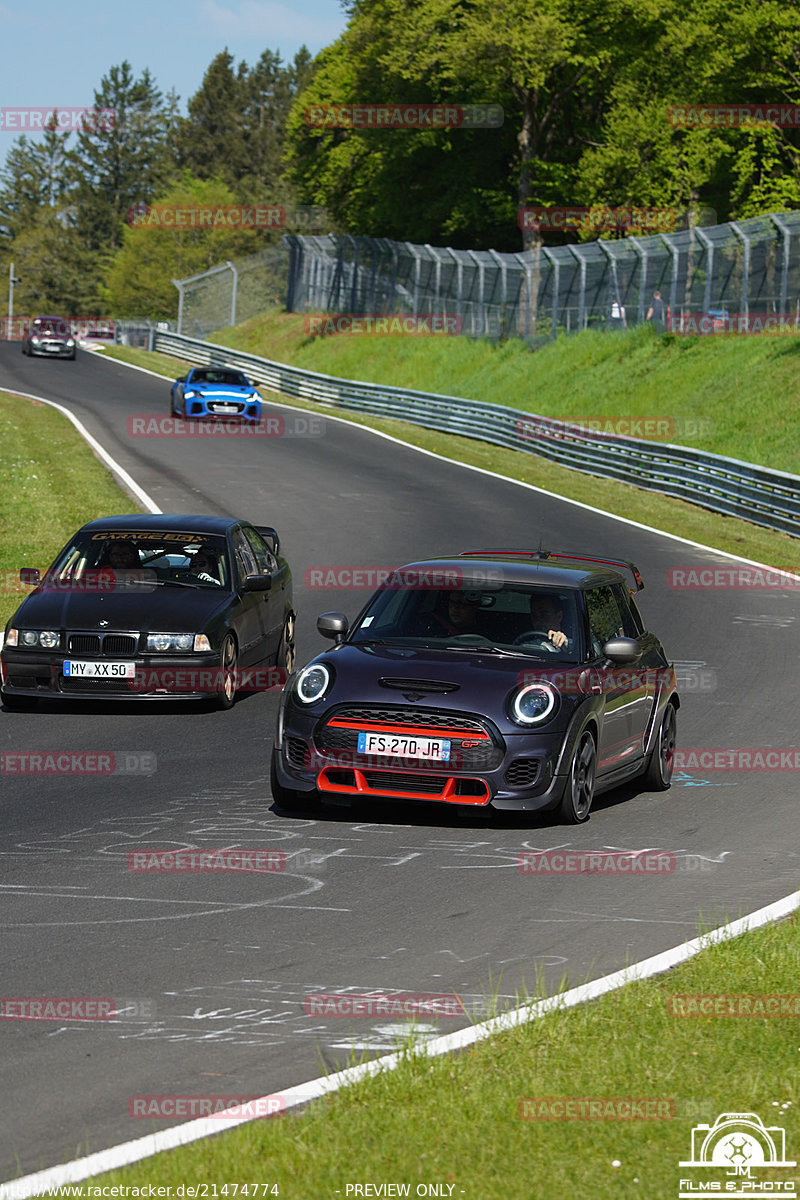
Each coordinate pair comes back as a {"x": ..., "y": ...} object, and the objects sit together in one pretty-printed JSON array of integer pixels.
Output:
[
  {"x": 168, "y": 1139},
  {"x": 130, "y": 483},
  {"x": 531, "y": 487}
]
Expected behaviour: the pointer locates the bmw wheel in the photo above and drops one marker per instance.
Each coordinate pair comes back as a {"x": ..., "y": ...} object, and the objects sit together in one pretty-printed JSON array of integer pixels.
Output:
[
  {"x": 287, "y": 654},
  {"x": 658, "y": 775},
  {"x": 576, "y": 802},
  {"x": 226, "y": 693}
]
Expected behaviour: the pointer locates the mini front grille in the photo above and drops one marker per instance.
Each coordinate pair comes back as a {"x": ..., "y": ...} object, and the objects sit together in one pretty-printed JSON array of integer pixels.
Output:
[
  {"x": 429, "y": 717},
  {"x": 117, "y": 645},
  {"x": 397, "y": 781},
  {"x": 523, "y": 772}
]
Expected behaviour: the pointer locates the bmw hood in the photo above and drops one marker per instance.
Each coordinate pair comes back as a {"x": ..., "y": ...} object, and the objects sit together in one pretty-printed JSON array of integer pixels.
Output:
[{"x": 157, "y": 609}]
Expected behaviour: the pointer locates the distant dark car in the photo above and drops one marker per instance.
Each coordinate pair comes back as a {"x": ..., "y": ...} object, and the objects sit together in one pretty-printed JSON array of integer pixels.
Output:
[
  {"x": 215, "y": 392},
  {"x": 154, "y": 607},
  {"x": 51, "y": 337},
  {"x": 510, "y": 679}
]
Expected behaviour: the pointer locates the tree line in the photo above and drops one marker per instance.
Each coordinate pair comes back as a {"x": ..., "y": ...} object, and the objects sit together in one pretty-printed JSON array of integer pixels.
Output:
[{"x": 594, "y": 100}]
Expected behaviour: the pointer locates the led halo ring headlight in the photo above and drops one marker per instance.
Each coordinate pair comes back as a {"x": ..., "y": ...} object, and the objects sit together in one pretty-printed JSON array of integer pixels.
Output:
[
  {"x": 312, "y": 683},
  {"x": 533, "y": 704}
]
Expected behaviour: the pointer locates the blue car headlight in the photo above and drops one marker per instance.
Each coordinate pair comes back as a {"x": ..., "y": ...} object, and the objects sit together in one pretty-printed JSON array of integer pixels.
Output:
[
  {"x": 189, "y": 395},
  {"x": 533, "y": 704},
  {"x": 312, "y": 683}
]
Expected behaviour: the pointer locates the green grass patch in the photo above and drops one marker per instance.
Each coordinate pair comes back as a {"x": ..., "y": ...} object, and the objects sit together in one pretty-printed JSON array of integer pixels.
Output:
[
  {"x": 732, "y": 395},
  {"x": 650, "y": 508},
  {"x": 456, "y": 1119},
  {"x": 53, "y": 484}
]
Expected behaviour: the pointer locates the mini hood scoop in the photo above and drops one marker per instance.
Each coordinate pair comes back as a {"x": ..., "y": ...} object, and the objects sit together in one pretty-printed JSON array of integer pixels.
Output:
[{"x": 419, "y": 685}]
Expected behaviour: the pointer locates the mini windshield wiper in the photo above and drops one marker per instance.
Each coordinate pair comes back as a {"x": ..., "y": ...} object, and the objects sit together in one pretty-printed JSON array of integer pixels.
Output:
[{"x": 475, "y": 649}]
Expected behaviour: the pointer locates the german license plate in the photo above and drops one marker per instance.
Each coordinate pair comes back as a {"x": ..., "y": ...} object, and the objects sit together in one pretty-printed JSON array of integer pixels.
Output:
[
  {"x": 404, "y": 746},
  {"x": 99, "y": 670},
  {"x": 222, "y": 407}
]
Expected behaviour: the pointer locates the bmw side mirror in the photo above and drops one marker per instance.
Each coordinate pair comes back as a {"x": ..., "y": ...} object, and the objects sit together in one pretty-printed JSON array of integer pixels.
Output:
[
  {"x": 333, "y": 625},
  {"x": 623, "y": 651}
]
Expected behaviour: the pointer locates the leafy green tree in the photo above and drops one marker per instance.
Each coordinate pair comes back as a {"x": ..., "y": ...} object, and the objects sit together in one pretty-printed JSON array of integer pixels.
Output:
[
  {"x": 139, "y": 280},
  {"x": 58, "y": 272},
  {"x": 211, "y": 140},
  {"x": 34, "y": 176},
  {"x": 122, "y": 161}
]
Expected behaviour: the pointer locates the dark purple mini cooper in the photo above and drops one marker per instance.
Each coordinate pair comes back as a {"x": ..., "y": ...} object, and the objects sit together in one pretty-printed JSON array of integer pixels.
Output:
[{"x": 509, "y": 679}]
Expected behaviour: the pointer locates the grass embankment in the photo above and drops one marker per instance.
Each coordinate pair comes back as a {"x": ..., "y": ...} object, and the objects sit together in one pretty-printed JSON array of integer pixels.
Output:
[
  {"x": 733, "y": 395},
  {"x": 456, "y": 1119},
  {"x": 52, "y": 485},
  {"x": 650, "y": 508}
]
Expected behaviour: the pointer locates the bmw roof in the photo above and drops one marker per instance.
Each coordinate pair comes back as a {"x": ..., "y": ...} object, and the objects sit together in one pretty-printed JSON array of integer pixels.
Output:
[{"x": 169, "y": 522}]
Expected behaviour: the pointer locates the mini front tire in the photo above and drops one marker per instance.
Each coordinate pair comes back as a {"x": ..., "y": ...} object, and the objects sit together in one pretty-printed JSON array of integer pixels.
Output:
[
  {"x": 576, "y": 803},
  {"x": 287, "y": 798}
]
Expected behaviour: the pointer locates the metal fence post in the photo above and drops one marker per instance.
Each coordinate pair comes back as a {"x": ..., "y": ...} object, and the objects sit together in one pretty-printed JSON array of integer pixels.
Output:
[
  {"x": 786, "y": 238},
  {"x": 740, "y": 233}
]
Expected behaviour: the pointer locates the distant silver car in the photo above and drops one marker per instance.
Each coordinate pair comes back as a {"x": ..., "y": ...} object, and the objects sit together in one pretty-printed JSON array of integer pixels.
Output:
[{"x": 49, "y": 336}]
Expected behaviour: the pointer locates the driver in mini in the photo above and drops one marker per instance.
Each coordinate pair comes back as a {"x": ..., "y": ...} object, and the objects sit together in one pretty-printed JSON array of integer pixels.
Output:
[{"x": 546, "y": 614}]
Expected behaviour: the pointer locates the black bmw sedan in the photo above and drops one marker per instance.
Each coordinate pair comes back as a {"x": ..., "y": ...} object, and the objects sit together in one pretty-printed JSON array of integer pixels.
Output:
[
  {"x": 502, "y": 679},
  {"x": 153, "y": 607}
]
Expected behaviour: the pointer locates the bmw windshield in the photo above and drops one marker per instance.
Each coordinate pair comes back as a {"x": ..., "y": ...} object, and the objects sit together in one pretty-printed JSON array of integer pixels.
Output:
[{"x": 119, "y": 558}]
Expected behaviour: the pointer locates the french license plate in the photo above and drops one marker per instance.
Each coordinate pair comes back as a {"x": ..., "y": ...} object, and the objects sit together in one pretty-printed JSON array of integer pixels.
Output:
[
  {"x": 405, "y": 747},
  {"x": 99, "y": 670}
]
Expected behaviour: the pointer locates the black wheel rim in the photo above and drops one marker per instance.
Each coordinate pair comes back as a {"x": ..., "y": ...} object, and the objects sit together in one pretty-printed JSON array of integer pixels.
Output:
[
  {"x": 582, "y": 777},
  {"x": 666, "y": 748}
]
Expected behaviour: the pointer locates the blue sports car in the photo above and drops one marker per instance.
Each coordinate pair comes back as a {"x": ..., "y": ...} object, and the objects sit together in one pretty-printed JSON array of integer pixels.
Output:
[{"x": 215, "y": 392}]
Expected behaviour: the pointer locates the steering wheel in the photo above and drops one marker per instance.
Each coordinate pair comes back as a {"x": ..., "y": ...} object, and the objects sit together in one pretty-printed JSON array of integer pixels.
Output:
[{"x": 535, "y": 635}]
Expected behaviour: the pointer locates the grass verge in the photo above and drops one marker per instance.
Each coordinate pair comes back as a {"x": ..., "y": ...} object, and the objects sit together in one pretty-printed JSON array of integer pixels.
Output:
[
  {"x": 53, "y": 485},
  {"x": 733, "y": 395},
  {"x": 457, "y": 1119},
  {"x": 650, "y": 508}
]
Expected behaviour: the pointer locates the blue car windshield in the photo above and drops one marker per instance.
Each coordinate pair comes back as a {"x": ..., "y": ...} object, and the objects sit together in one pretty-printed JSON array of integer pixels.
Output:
[
  {"x": 221, "y": 377},
  {"x": 536, "y": 622}
]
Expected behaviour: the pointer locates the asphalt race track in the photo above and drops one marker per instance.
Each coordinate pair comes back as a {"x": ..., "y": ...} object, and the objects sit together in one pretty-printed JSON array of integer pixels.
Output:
[{"x": 411, "y": 899}]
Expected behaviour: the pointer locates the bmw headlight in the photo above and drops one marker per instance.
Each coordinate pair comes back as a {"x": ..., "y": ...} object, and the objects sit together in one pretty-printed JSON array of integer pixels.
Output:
[
  {"x": 533, "y": 704},
  {"x": 312, "y": 683},
  {"x": 164, "y": 643},
  {"x": 48, "y": 639}
]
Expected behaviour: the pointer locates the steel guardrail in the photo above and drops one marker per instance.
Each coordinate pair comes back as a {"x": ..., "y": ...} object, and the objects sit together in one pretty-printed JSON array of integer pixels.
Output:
[{"x": 724, "y": 485}]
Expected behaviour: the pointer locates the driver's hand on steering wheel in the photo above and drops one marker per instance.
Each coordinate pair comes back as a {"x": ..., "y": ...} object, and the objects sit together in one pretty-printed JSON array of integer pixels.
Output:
[{"x": 557, "y": 637}]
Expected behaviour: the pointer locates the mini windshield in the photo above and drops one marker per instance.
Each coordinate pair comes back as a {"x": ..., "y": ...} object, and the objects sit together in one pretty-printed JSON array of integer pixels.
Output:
[
  {"x": 512, "y": 618},
  {"x": 138, "y": 559}
]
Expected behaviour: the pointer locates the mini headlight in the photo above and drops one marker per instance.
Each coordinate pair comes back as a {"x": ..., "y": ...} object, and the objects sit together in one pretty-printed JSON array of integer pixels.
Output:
[
  {"x": 70, "y": 341},
  {"x": 533, "y": 704},
  {"x": 164, "y": 642},
  {"x": 48, "y": 639},
  {"x": 312, "y": 683}
]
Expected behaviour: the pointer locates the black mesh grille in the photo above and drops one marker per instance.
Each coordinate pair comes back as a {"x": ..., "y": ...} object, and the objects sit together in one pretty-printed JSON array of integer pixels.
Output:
[
  {"x": 296, "y": 751},
  {"x": 96, "y": 687},
  {"x": 84, "y": 643},
  {"x": 397, "y": 781},
  {"x": 115, "y": 643},
  {"x": 410, "y": 716},
  {"x": 523, "y": 772}
]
